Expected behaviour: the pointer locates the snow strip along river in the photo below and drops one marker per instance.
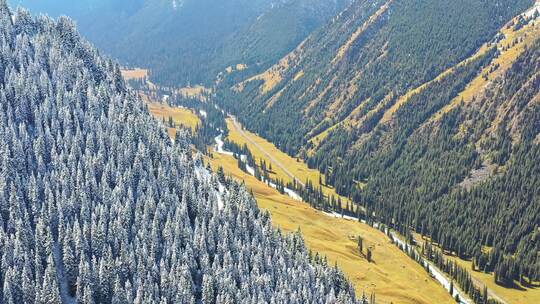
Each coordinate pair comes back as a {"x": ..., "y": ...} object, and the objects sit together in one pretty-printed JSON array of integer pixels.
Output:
[
  {"x": 436, "y": 272},
  {"x": 219, "y": 149}
]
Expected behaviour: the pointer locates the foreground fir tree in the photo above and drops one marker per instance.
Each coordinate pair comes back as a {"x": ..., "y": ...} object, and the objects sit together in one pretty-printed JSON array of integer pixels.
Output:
[{"x": 97, "y": 205}]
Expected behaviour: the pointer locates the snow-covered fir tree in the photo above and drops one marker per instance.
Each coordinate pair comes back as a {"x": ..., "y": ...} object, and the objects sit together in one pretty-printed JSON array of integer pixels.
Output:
[{"x": 97, "y": 205}]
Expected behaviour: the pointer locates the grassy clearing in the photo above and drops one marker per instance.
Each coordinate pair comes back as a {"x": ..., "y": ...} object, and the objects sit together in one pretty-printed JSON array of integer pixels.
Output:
[
  {"x": 194, "y": 92},
  {"x": 403, "y": 99},
  {"x": 181, "y": 116},
  {"x": 350, "y": 120},
  {"x": 273, "y": 76},
  {"x": 270, "y": 78},
  {"x": 393, "y": 276},
  {"x": 316, "y": 140},
  {"x": 238, "y": 67},
  {"x": 134, "y": 74},
  {"x": 298, "y": 75}
]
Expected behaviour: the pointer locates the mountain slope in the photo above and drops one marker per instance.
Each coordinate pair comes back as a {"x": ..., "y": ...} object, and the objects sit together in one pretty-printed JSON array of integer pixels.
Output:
[
  {"x": 423, "y": 111},
  {"x": 97, "y": 205},
  {"x": 191, "y": 41},
  {"x": 365, "y": 59}
]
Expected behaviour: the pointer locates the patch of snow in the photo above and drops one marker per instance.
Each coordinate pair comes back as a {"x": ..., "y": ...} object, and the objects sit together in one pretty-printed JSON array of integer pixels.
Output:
[
  {"x": 250, "y": 170},
  {"x": 437, "y": 274},
  {"x": 203, "y": 175},
  {"x": 338, "y": 215},
  {"x": 219, "y": 146},
  {"x": 292, "y": 194},
  {"x": 221, "y": 192},
  {"x": 533, "y": 10}
]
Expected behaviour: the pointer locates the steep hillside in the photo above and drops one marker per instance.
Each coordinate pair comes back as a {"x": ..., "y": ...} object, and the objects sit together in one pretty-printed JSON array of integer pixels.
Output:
[
  {"x": 433, "y": 105},
  {"x": 359, "y": 65},
  {"x": 191, "y": 41},
  {"x": 470, "y": 168},
  {"x": 98, "y": 205}
]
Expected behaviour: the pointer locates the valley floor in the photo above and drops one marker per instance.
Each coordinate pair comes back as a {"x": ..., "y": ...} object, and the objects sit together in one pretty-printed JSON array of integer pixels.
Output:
[
  {"x": 516, "y": 294},
  {"x": 284, "y": 166},
  {"x": 392, "y": 275},
  {"x": 289, "y": 168}
]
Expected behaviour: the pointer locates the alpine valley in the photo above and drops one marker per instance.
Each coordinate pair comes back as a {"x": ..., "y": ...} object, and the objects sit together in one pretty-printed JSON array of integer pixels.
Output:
[{"x": 270, "y": 151}]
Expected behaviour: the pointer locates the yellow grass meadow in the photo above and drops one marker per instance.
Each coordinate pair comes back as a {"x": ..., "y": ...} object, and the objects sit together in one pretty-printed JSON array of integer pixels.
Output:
[
  {"x": 393, "y": 276},
  {"x": 265, "y": 150},
  {"x": 182, "y": 117},
  {"x": 134, "y": 74}
]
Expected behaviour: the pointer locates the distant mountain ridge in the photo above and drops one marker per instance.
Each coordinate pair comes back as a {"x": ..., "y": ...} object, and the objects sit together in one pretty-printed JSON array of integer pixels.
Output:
[{"x": 191, "y": 41}]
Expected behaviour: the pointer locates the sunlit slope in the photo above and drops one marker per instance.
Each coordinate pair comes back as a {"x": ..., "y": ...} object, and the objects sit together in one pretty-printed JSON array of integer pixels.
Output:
[
  {"x": 356, "y": 68},
  {"x": 284, "y": 167},
  {"x": 180, "y": 117},
  {"x": 393, "y": 276}
]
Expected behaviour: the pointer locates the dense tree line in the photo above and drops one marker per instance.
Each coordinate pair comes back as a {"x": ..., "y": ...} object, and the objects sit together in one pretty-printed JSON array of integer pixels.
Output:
[
  {"x": 419, "y": 174},
  {"x": 457, "y": 273},
  {"x": 396, "y": 52},
  {"x": 422, "y": 188},
  {"x": 308, "y": 191},
  {"x": 98, "y": 205}
]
